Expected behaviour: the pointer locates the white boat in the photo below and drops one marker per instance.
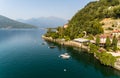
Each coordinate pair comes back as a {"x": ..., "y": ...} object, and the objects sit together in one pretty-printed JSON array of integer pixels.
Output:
[
  {"x": 65, "y": 56},
  {"x": 52, "y": 47}
]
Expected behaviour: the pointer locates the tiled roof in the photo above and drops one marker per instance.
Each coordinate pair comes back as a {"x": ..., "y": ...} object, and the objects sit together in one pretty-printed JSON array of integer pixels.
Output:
[
  {"x": 105, "y": 35},
  {"x": 116, "y": 31}
]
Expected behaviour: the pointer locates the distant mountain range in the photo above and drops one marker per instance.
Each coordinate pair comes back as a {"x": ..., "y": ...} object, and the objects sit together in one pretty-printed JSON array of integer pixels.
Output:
[
  {"x": 45, "y": 22},
  {"x": 8, "y": 23}
]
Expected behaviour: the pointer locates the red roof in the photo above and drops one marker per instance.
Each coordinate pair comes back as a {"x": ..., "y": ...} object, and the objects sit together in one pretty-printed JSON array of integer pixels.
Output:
[
  {"x": 116, "y": 31},
  {"x": 105, "y": 35}
]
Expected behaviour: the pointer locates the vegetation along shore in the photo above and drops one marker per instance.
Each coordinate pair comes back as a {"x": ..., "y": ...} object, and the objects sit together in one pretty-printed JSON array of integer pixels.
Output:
[{"x": 96, "y": 28}]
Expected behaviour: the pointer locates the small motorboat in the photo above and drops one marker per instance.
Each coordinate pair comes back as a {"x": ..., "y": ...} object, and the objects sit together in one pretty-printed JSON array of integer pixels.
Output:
[
  {"x": 43, "y": 43},
  {"x": 52, "y": 47},
  {"x": 65, "y": 56}
]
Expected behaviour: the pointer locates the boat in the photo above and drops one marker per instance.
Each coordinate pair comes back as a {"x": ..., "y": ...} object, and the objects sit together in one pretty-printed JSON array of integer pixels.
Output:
[
  {"x": 65, "y": 56},
  {"x": 43, "y": 43},
  {"x": 52, "y": 47}
]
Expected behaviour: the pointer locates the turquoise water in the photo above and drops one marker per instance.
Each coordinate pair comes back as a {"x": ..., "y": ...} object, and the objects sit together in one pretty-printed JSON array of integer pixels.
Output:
[{"x": 23, "y": 56}]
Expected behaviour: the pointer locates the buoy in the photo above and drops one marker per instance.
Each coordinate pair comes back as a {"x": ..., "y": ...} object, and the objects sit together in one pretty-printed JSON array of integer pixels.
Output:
[{"x": 65, "y": 70}]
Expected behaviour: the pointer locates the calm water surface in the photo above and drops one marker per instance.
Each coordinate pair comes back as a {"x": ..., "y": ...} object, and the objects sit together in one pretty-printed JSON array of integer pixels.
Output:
[{"x": 23, "y": 56}]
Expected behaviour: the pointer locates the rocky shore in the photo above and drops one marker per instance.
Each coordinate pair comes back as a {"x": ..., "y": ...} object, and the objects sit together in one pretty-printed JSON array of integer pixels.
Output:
[
  {"x": 117, "y": 64},
  {"x": 79, "y": 45},
  {"x": 67, "y": 43}
]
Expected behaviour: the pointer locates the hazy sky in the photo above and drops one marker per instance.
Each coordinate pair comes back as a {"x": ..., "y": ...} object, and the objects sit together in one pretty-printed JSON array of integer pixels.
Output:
[{"x": 24, "y": 9}]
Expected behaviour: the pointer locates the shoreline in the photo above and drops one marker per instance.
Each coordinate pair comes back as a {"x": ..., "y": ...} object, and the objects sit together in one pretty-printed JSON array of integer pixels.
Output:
[
  {"x": 78, "y": 45},
  {"x": 67, "y": 43}
]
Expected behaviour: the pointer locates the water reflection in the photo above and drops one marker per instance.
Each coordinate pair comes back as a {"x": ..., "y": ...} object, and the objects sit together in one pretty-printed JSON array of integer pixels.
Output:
[{"x": 89, "y": 62}]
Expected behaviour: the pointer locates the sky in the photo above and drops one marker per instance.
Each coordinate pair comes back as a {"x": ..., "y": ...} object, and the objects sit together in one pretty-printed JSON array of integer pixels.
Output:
[{"x": 26, "y": 9}]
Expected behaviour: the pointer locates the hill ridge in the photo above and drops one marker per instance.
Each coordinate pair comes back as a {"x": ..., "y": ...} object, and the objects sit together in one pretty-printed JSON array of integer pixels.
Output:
[{"x": 6, "y": 22}]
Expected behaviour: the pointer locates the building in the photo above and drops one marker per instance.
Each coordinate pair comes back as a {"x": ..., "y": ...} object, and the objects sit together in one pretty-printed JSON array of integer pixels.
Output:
[
  {"x": 65, "y": 26},
  {"x": 116, "y": 33},
  {"x": 81, "y": 40},
  {"x": 103, "y": 38}
]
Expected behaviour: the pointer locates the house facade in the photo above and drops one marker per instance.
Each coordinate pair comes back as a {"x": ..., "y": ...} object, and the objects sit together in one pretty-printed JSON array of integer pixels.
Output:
[
  {"x": 116, "y": 33},
  {"x": 103, "y": 38}
]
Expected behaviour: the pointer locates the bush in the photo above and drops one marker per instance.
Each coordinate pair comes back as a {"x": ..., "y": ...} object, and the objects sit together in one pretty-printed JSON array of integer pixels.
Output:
[
  {"x": 93, "y": 48},
  {"x": 109, "y": 28},
  {"x": 106, "y": 59},
  {"x": 67, "y": 38},
  {"x": 90, "y": 37}
]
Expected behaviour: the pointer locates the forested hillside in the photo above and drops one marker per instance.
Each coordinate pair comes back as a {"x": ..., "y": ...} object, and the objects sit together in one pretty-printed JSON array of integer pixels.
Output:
[{"x": 88, "y": 19}]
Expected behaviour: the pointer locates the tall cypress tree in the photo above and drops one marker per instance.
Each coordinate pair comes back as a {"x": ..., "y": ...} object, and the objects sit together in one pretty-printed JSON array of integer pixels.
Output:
[
  {"x": 114, "y": 43},
  {"x": 97, "y": 40},
  {"x": 108, "y": 43}
]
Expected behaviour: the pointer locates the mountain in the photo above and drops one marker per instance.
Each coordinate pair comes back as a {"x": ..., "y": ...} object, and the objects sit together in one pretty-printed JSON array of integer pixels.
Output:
[
  {"x": 45, "y": 22},
  {"x": 8, "y": 23}
]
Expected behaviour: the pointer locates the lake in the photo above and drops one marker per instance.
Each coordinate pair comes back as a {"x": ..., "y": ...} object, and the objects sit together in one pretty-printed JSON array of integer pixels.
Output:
[{"x": 22, "y": 55}]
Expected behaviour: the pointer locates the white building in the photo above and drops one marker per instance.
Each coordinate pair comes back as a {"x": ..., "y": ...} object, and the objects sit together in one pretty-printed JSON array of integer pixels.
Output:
[
  {"x": 103, "y": 38},
  {"x": 65, "y": 26},
  {"x": 116, "y": 33}
]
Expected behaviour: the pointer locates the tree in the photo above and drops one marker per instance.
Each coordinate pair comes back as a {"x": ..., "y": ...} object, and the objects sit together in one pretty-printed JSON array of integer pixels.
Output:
[
  {"x": 67, "y": 38},
  {"x": 116, "y": 11},
  {"x": 94, "y": 28},
  {"x": 54, "y": 35},
  {"x": 97, "y": 40},
  {"x": 49, "y": 30},
  {"x": 114, "y": 43},
  {"x": 93, "y": 48},
  {"x": 60, "y": 32},
  {"x": 108, "y": 43},
  {"x": 107, "y": 59}
]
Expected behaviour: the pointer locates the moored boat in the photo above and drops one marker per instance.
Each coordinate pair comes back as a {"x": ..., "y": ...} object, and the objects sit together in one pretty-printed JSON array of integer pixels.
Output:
[
  {"x": 52, "y": 47},
  {"x": 43, "y": 43}
]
